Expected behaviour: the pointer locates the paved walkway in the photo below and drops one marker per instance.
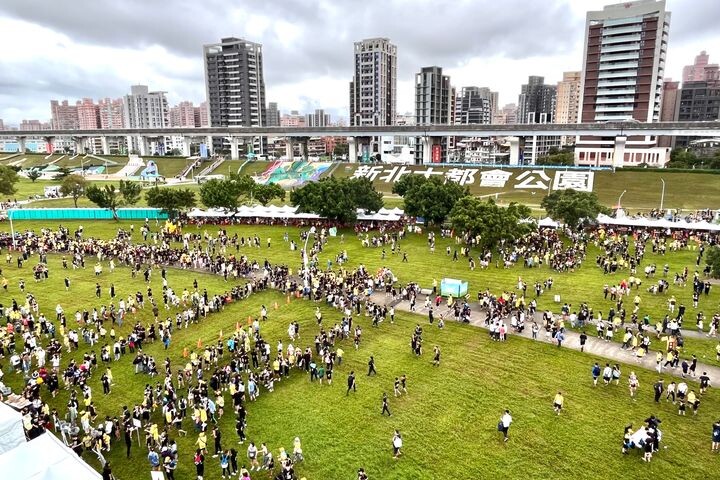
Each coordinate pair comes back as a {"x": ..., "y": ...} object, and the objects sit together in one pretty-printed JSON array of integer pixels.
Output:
[{"x": 593, "y": 345}]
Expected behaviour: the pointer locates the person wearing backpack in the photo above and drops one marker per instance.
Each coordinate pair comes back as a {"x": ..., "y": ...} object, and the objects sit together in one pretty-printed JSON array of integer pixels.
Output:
[
  {"x": 199, "y": 461},
  {"x": 225, "y": 463}
]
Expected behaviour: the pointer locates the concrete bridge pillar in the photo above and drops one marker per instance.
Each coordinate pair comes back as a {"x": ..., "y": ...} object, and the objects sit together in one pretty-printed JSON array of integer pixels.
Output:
[
  {"x": 142, "y": 145},
  {"x": 514, "y": 150},
  {"x": 352, "y": 150},
  {"x": 619, "y": 152},
  {"x": 21, "y": 144},
  {"x": 234, "y": 148},
  {"x": 289, "y": 148},
  {"x": 186, "y": 146},
  {"x": 105, "y": 146}
]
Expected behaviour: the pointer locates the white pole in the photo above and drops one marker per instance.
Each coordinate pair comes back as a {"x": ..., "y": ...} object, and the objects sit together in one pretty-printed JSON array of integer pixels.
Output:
[
  {"x": 662, "y": 196},
  {"x": 12, "y": 230}
]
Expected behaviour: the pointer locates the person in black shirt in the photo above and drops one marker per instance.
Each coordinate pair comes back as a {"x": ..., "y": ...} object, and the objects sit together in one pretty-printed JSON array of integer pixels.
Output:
[
  {"x": 583, "y": 339},
  {"x": 385, "y": 405},
  {"x": 371, "y": 366},
  {"x": 704, "y": 383},
  {"x": 658, "y": 389},
  {"x": 351, "y": 383}
]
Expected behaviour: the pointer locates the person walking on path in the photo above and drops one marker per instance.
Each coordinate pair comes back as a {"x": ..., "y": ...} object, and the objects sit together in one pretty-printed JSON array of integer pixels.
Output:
[
  {"x": 716, "y": 436},
  {"x": 351, "y": 383},
  {"x": 558, "y": 402},
  {"x": 658, "y": 389},
  {"x": 385, "y": 407},
  {"x": 371, "y": 366},
  {"x": 504, "y": 425},
  {"x": 595, "y": 373},
  {"x": 397, "y": 444}
]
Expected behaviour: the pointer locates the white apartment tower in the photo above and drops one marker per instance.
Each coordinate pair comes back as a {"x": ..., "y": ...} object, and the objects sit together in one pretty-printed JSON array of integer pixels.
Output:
[{"x": 622, "y": 80}]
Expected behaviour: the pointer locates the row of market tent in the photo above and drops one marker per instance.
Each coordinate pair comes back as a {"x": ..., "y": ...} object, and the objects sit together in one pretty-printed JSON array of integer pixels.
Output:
[
  {"x": 292, "y": 213},
  {"x": 397, "y": 214}
]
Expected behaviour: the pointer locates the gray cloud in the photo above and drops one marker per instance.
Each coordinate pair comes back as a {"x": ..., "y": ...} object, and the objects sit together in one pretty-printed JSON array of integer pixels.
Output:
[{"x": 426, "y": 33}]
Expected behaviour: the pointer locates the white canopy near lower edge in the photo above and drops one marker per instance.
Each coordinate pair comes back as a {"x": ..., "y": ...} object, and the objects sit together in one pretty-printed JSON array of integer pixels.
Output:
[
  {"x": 45, "y": 458},
  {"x": 12, "y": 433}
]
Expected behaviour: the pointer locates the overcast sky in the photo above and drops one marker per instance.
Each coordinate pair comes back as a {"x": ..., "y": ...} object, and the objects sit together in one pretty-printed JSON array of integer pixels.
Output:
[{"x": 98, "y": 48}]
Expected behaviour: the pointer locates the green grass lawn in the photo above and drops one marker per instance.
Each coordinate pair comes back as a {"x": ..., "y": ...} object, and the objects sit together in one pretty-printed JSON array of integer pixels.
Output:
[{"x": 447, "y": 419}]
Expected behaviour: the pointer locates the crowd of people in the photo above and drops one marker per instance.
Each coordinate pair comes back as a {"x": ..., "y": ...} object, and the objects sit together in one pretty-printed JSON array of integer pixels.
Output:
[{"x": 242, "y": 365}]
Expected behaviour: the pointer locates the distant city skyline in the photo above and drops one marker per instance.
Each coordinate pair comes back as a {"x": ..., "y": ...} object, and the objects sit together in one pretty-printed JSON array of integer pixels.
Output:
[{"x": 307, "y": 48}]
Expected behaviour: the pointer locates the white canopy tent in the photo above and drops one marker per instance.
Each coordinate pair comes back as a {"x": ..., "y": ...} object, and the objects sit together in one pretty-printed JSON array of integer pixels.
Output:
[
  {"x": 45, "y": 458},
  {"x": 12, "y": 433},
  {"x": 656, "y": 223}
]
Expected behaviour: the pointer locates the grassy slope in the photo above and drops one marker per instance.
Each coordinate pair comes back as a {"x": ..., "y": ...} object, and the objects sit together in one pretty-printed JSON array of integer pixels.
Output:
[{"x": 448, "y": 419}]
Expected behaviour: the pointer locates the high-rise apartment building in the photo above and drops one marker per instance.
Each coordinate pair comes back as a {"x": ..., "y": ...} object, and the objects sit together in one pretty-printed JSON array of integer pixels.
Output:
[
  {"x": 432, "y": 97},
  {"x": 568, "y": 98},
  {"x": 183, "y": 115},
  {"x": 34, "y": 125},
  {"x": 669, "y": 108},
  {"x": 88, "y": 114},
  {"x": 145, "y": 109},
  {"x": 273, "y": 115},
  {"x": 317, "y": 119},
  {"x": 536, "y": 104},
  {"x": 507, "y": 115},
  {"x": 696, "y": 71},
  {"x": 235, "y": 86},
  {"x": 432, "y": 107},
  {"x": 373, "y": 90},
  {"x": 63, "y": 115},
  {"x": 474, "y": 106},
  {"x": 203, "y": 115},
  {"x": 567, "y": 101},
  {"x": 111, "y": 113},
  {"x": 699, "y": 101},
  {"x": 293, "y": 119},
  {"x": 623, "y": 66}
]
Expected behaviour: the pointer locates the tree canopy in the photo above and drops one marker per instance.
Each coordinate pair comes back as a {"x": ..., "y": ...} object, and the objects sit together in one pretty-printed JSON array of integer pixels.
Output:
[
  {"x": 572, "y": 206},
  {"x": 170, "y": 200},
  {"x": 130, "y": 192},
  {"x": 337, "y": 199},
  {"x": 8, "y": 179},
  {"x": 713, "y": 261},
  {"x": 74, "y": 186},
  {"x": 227, "y": 194},
  {"x": 429, "y": 198},
  {"x": 106, "y": 196},
  {"x": 489, "y": 222},
  {"x": 33, "y": 174},
  {"x": 266, "y": 193}
]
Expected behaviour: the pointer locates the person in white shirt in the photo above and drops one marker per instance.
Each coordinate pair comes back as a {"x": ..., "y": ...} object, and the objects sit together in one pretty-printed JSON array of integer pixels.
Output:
[{"x": 504, "y": 425}]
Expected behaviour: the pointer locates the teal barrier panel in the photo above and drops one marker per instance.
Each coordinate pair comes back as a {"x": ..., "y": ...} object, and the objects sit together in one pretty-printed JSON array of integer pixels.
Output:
[{"x": 85, "y": 214}]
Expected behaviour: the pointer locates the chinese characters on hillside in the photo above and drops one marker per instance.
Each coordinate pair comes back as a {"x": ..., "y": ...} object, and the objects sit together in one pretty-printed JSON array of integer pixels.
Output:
[{"x": 520, "y": 179}]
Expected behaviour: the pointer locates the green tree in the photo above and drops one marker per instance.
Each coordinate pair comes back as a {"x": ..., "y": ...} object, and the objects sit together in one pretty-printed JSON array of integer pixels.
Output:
[
  {"x": 8, "y": 179},
  {"x": 227, "y": 193},
  {"x": 265, "y": 193},
  {"x": 406, "y": 182},
  {"x": 557, "y": 158},
  {"x": 572, "y": 206},
  {"x": 130, "y": 192},
  {"x": 337, "y": 199},
  {"x": 73, "y": 186},
  {"x": 713, "y": 261},
  {"x": 33, "y": 174},
  {"x": 489, "y": 222},
  {"x": 170, "y": 200},
  {"x": 105, "y": 197},
  {"x": 432, "y": 199},
  {"x": 341, "y": 149}
]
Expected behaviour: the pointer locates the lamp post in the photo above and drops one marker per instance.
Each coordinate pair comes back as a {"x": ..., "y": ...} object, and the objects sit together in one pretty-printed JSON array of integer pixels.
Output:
[
  {"x": 662, "y": 195},
  {"x": 306, "y": 277},
  {"x": 620, "y": 199}
]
